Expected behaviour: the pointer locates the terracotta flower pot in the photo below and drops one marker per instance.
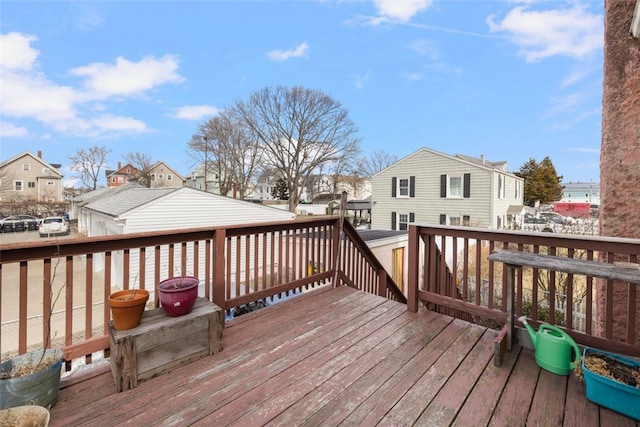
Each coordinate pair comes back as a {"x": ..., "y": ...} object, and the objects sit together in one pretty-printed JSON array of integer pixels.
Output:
[
  {"x": 178, "y": 295},
  {"x": 127, "y": 307}
]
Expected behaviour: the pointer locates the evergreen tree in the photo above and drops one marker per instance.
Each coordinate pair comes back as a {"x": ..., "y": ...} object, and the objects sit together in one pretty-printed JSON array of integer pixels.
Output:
[
  {"x": 541, "y": 182},
  {"x": 280, "y": 191}
]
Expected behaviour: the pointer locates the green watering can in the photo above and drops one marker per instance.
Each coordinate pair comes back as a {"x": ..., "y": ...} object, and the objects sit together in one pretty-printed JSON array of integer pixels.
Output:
[{"x": 553, "y": 348}]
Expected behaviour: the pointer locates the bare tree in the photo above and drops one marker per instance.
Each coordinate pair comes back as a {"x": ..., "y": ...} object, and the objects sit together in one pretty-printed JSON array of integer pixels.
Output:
[
  {"x": 234, "y": 152},
  {"x": 299, "y": 130},
  {"x": 375, "y": 162},
  {"x": 143, "y": 164},
  {"x": 87, "y": 164}
]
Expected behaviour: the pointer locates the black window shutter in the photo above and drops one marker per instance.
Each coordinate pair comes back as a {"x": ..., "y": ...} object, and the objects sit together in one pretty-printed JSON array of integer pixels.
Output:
[
  {"x": 443, "y": 185},
  {"x": 443, "y": 219},
  {"x": 467, "y": 185},
  {"x": 394, "y": 185},
  {"x": 393, "y": 220},
  {"x": 412, "y": 217},
  {"x": 412, "y": 186}
]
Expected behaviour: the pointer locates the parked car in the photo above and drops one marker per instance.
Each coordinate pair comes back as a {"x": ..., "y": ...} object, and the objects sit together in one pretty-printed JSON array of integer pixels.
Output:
[
  {"x": 556, "y": 218},
  {"x": 19, "y": 223},
  {"x": 53, "y": 225},
  {"x": 532, "y": 219}
]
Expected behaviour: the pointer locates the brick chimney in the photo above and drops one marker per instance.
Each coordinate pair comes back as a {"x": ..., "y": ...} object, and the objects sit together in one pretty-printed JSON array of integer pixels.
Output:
[
  {"x": 39, "y": 154},
  {"x": 119, "y": 166}
]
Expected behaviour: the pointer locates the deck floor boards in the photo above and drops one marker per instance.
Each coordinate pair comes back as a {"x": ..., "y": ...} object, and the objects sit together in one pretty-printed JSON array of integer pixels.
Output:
[{"x": 342, "y": 357}]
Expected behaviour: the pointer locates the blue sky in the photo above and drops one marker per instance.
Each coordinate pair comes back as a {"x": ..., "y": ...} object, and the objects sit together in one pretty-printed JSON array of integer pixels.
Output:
[{"x": 512, "y": 80}]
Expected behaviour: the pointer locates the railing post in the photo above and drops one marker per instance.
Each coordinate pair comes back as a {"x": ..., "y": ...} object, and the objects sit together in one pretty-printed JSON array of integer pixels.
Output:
[
  {"x": 382, "y": 285},
  {"x": 336, "y": 247},
  {"x": 511, "y": 275},
  {"x": 412, "y": 287},
  {"x": 218, "y": 297}
]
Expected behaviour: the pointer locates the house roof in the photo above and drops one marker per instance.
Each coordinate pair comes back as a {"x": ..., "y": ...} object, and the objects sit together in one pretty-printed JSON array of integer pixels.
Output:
[
  {"x": 477, "y": 162},
  {"x": 501, "y": 164},
  {"x": 99, "y": 193},
  {"x": 373, "y": 235},
  {"x": 358, "y": 205},
  {"x": 53, "y": 167},
  {"x": 124, "y": 202},
  {"x": 129, "y": 198},
  {"x": 161, "y": 163}
]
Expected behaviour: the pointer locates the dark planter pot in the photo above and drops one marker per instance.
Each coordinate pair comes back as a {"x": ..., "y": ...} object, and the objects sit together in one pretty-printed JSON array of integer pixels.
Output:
[
  {"x": 127, "y": 307},
  {"x": 40, "y": 388},
  {"x": 178, "y": 295}
]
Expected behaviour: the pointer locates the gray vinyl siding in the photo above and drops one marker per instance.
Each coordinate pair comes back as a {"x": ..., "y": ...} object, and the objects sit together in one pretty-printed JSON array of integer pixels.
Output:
[
  {"x": 173, "y": 209},
  {"x": 193, "y": 209},
  {"x": 427, "y": 166}
]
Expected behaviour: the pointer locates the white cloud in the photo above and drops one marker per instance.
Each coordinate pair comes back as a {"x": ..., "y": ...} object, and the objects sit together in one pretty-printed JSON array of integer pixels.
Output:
[
  {"x": 425, "y": 48},
  {"x": 195, "y": 112},
  {"x": 399, "y": 10},
  {"x": 362, "y": 80},
  {"x": 126, "y": 78},
  {"x": 539, "y": 34},
  {"x": 283, "y": 55},
  {"x": 8, "y": 129},
  {"x": 108, "y": 122},
  {"x": 27, "y": 93},
  {"x": 413, "y": 76},
  {"x": 16, "y": 52}
]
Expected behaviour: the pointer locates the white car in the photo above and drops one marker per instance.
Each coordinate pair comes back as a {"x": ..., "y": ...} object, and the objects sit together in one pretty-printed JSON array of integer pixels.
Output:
[{"x": 53, "y": 225}]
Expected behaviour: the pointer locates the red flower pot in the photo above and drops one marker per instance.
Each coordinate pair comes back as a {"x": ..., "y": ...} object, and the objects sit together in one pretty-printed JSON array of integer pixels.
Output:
[{"x": 178, "y": 295}]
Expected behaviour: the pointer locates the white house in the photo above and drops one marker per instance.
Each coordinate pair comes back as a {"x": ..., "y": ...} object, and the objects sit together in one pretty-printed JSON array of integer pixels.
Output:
[
  {"x": 432, "y": 187},
  {"x": 137, "y": 209}
]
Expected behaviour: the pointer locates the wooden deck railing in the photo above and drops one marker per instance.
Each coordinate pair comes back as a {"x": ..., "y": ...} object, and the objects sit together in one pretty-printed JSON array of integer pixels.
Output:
[
  {"x": 54, "y": 292},
  {"x": 453, "y": 275}
]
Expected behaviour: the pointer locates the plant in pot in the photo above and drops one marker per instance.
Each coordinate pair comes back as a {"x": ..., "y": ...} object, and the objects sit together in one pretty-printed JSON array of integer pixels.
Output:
[
  {"x": 33, "y": 378},
  {"x": 611, "y": 380},
  {"x": 178, "y": 294},
  {"x": 127, "y": 307}
]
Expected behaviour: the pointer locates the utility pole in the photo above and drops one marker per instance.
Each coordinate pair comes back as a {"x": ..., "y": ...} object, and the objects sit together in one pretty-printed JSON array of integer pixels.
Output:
[{"x": 206, "y": 156}]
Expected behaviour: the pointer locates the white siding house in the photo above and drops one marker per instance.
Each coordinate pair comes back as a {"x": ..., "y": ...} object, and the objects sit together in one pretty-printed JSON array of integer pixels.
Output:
[
  {"x": 432, "y": 187},
  {"x": 138, "y": 209}
]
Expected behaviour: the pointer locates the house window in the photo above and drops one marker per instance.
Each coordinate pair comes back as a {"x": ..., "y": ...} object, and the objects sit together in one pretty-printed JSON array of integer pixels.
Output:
[
  {"x": 153, "y": 177},
  {"x": 51, "y": 183},
  {"x": 455, "y": 186},
  {"x": 501, "y": 187},
  {"x": 120, "y": 179},
  {"x": 26, "y": 167},
  {"x": 403, "y": 187},
  {"x": 401, "y": 221},
  {"x": 17, "y": 185},
  {"x": 466, "y": 220},
  {"x": 128, "y": 170},
  {"x": 31, "y": 184},
  {"x": 46, "y": 170},
  {"x": 113, "y": 179},
  {"x": 454, "y": 220},
  {"x": 169, "y": 177},
  {"x": 160, "y": 176}
]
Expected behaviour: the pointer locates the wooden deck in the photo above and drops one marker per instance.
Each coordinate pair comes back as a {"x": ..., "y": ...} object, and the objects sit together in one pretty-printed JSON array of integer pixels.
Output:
[{"x": 341, "y": 356}]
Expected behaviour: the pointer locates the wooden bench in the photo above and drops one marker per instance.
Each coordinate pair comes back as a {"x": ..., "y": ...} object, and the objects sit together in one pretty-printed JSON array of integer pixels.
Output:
[
  {"x": 624, "y": 272},
  {"x": 162, "y": 343}
]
